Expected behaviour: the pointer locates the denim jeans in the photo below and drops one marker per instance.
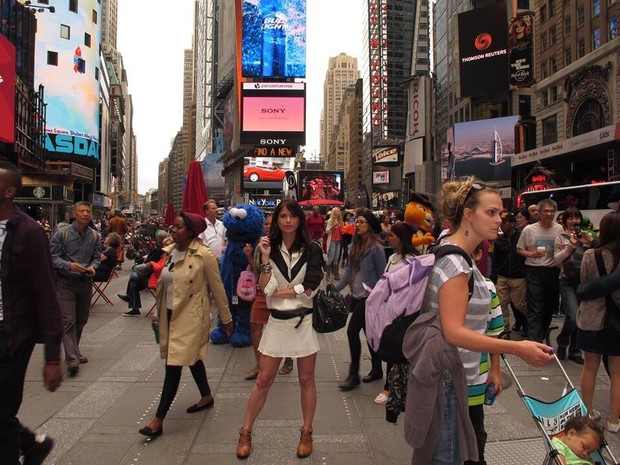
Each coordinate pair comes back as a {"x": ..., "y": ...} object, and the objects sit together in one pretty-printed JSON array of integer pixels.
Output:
[
  {"x": 333, "y": 253},
  {"x": 448, "y": 451},
  {"x": 134, "y": 286},
  {"x": 568, "y": 334}
]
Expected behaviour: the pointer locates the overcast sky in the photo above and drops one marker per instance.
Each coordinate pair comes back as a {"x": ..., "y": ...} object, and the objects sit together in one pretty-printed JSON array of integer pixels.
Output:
[{"x": 152, "y": 39}]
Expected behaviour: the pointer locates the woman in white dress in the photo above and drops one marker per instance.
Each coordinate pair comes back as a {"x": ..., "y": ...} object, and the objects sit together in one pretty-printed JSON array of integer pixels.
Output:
[{"x": 290, "y": 274}]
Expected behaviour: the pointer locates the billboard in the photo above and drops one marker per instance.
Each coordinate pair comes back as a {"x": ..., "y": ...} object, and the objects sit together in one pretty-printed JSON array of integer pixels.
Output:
[
  {"x": 7, "y": 90},
  {"x": 416, "y": 116},
  {"x": 212, "y": 173},
  {"x": 67, "y": 65},
  {"x": 484, "y": 148},
  {"x": 520, "y": 48},
  {"x": 385, "y": 154},
  {"x": 265, "y": 173},
  {"x": 483, "y": 50},
  {"x": 320, "y": 187},
  {"x": 273, "y": 39},
  {"x": 273, "y": 113}
]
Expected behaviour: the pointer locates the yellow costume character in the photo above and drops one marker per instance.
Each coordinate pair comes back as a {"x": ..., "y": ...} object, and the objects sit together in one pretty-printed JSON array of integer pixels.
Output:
[{"x": 419, "y": 211}]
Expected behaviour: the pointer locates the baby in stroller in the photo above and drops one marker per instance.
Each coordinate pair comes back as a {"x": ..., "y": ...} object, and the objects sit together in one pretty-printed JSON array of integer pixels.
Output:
[{"x": 581, "y": 437}]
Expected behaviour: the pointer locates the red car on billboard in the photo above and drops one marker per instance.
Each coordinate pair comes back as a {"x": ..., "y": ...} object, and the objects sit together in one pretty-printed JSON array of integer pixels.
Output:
[{"x": 263, "y": 173}]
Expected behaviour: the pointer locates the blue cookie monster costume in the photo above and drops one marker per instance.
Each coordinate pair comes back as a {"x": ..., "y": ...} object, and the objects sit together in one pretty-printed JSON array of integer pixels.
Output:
[{"x": 244, "y": 225}]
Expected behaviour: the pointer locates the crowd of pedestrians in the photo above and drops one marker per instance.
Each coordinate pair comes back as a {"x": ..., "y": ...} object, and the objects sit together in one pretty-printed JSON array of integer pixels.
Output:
[{"x": 524, "y": 268}]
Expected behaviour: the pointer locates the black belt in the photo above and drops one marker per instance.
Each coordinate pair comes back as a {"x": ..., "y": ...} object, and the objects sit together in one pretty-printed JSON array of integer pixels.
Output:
[{"x": 301, "y": 314}]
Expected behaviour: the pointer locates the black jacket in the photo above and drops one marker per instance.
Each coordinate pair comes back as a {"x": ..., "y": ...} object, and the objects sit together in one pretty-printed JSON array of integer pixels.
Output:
[{"x": 506, "y": 261}]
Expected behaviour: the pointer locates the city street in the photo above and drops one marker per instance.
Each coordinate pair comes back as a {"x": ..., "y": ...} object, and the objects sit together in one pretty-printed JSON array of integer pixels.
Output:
[{"x": 95, "y": 416}]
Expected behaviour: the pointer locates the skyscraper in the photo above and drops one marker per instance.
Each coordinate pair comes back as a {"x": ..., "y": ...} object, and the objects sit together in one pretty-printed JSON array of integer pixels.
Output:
[{"x": 342, "y": 72}]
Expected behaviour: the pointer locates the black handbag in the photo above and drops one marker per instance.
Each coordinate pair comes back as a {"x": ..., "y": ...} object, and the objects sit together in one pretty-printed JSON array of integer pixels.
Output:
[
  {"x": 611, "y": 323},
  {"x": 329, "y": 310}
]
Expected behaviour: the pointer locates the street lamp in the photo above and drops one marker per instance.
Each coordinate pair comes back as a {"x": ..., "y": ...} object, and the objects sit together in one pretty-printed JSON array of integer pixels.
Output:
[{"x": 39, "y": 8}]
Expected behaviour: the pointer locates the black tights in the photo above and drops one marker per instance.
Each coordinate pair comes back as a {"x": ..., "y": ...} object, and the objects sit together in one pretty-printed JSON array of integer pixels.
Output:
[
  {"x": 171, "y": 385},
  {"x": 357, "y": 323}
]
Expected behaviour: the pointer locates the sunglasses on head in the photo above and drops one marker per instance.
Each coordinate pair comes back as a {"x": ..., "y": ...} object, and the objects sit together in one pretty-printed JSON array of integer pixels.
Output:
[{"x": 475, "y": 187}]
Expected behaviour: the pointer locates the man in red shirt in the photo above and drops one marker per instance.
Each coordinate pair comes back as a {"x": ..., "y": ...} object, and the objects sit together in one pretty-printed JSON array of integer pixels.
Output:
[{"x": 316, "y": 225}]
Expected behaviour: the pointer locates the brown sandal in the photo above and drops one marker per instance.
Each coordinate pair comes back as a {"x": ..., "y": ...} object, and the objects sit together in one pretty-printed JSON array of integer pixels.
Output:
[{"x": 287, "y": 367}]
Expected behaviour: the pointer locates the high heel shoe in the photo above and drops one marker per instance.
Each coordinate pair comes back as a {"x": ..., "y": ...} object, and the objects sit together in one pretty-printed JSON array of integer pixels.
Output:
[
  {"x": 197, "y": 408},
  {"x": 147, "y": 431}
]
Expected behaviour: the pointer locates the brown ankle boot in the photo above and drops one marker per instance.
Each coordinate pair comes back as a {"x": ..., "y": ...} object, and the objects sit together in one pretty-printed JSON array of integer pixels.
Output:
[
  {"x": 304, "y": 449},
  {"x": 245, "y": 443},
  {"x": 336, "y": 271}
]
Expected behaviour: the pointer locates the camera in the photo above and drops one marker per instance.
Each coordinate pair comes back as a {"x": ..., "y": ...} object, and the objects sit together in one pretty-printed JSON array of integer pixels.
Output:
[{"x": 577, "y": 231}]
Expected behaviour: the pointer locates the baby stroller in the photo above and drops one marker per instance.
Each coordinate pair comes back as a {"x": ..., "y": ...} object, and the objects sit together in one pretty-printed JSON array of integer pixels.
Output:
[{"x": 551, "y": 417}]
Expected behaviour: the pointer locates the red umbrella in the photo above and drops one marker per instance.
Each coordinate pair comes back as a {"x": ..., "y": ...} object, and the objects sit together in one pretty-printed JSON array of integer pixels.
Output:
[
  {"x": 169, "y": 215},
  {"x": 195, "y": 194}
]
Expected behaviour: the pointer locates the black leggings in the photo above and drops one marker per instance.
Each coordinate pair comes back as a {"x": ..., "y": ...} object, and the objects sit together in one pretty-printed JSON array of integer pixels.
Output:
[
  {"x": 356, "y": 324},
  {"x": 171, "y": 385}
]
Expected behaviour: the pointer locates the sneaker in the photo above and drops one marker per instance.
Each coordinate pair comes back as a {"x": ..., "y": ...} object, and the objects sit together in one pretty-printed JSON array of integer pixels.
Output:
[
  {"x": 73, "y": 366},
  {"x": 39, "y": 450},
  {"x": 381, "y": 398},
  {"x": 613, "y": 427},
  {"x": 134, "y": 312},
  {"x": 122, "y": 297},
  {"x": 594, "y": 415}
]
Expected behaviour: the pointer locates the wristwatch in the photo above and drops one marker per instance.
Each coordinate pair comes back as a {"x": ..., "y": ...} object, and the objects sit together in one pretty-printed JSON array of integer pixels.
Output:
[{"x": 299, "y": 289}]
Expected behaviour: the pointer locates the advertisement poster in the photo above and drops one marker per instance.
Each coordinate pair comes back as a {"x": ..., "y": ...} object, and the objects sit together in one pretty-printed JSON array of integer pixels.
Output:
[
  {"x": 266, "y": 173},
  {"x": 483, "y": 149},
  {"x": 321, "y": 188},
  {"x": 273, "y": 40},
  {"x": 66, "y": 64},
  {"x": 7, "y": 90},
  {"x": 520, "y": 50},
  {"x": 483, "y": 50}
]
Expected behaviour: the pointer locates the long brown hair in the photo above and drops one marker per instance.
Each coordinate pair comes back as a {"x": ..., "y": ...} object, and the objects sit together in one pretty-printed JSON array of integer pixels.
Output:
[
  {"x": 609, "y": 235},
  {"x": 360, "y": 247}
]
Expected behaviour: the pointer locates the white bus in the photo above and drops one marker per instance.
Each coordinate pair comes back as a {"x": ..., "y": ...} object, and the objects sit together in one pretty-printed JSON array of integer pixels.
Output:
[{"x": 593, "y": 200}]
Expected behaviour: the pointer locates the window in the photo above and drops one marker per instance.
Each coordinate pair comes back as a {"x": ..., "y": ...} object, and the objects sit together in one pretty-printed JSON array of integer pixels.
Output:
[
  {"x": 550, "y": 130},
  {"x": 65, "y": 32},
  {"x": 596, "y": 38},
  {"x": 551, "y": 8},
  {"x": 544, "y": 69},
  {"x": 554, "y": 93},
  {"x": 567, "y": 25},
  {"x": 596, "y": 7},
  {"x": 87, "y": 39},
  {"x": 73, "y": 6},
  {"x": 52, "y": 58},
  {"x": 568, "y": 56},
  {"x": 79, "y": 65},
  {"x": 581, "y": 48},
  {"x": 543, "y": 13},
  {"x": 581, "y": 15},
  {"x": 554, "y": 64},
  {"x": 613, "y": 28},
  {"x": 94, "y": 17},
  {"x": 545, "y": 96},
  {"x": 543, "y": 42},
  {"x": 552, "y": 36}
]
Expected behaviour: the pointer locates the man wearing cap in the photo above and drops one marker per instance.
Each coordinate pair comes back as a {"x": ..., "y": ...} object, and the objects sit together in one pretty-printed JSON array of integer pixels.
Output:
[
  {"x": 509, "y": 269},
  {"x": 214, "y": 236}
]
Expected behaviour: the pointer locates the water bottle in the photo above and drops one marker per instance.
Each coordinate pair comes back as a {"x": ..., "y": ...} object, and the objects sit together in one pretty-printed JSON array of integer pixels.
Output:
[{"x": 489, "y": 395}]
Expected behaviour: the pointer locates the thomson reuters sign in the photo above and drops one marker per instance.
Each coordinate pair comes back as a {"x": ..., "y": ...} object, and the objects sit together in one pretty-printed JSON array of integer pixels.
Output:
[{"x": 483, "y": 50}]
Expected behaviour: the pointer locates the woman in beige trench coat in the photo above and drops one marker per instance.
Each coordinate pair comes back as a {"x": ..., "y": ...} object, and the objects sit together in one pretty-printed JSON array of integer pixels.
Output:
[{"x": 190, "y": 274}]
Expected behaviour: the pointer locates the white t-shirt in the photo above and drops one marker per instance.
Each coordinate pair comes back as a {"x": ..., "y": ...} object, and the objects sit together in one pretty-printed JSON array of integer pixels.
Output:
[
  {"x": 534, "y": 236},
  {"x": 214, "y": 237},
  {"x": 3, "y": 224}
]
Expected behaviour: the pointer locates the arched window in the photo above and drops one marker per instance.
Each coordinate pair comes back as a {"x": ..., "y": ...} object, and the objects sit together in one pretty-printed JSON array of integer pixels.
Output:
[{"x": 588, "y": 118}]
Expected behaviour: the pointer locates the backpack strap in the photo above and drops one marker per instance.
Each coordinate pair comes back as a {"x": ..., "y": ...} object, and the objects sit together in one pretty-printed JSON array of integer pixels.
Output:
[{"x": 450, "y": 249}]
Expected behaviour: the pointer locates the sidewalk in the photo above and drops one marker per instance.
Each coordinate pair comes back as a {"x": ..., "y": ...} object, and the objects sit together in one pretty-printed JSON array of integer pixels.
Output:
[{"x": 94, "y": 417}]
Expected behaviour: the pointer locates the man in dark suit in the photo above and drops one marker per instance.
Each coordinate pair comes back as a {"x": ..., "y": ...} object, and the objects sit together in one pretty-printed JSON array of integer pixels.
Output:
[{"x": 29, "y": 313}]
